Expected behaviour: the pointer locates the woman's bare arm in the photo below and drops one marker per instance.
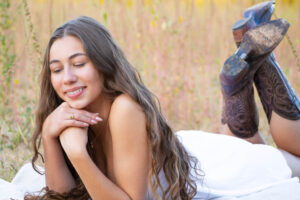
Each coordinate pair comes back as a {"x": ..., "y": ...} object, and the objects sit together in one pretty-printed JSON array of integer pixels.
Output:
[
  {"x": 96, "y": 183},
  {"x": 58, "y": 176},
  {"x": 128, "y": 169},
  {"x": 131, "y": 151}
]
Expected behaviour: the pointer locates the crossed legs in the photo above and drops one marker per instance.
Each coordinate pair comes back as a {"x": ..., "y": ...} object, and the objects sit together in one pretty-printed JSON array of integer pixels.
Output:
[{"x": 280, "y": 102}]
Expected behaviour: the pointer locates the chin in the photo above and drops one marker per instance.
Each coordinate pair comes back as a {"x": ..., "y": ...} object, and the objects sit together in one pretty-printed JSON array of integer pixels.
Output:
[{"x": 77, "y": 105}]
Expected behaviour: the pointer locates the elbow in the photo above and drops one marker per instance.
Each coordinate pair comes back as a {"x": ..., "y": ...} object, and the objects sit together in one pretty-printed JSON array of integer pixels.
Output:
[{"x": 61, "y": 188}]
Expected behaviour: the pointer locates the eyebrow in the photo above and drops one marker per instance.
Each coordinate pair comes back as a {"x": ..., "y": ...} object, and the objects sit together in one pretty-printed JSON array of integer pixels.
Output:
[{"x": 70, "y": 58}]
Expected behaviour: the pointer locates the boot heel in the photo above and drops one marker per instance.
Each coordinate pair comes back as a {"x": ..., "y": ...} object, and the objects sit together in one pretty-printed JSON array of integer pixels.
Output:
[
  {"x": 233, "y": 75},
  {"x": 240, "y": 28}
]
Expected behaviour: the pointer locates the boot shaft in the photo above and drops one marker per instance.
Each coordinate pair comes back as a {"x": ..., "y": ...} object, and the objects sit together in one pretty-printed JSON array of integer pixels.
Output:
[{"x": 275, "y": 92}]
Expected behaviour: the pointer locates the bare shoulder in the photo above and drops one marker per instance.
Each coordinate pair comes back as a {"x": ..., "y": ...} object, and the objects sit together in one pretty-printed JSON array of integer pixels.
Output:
[
  {"x": 126, "y": 114},
  {"x": 125, "y": 103}
]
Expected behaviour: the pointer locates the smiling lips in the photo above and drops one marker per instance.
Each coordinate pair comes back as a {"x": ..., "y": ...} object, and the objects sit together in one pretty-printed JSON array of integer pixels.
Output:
[{"x": 75, "y": 92}]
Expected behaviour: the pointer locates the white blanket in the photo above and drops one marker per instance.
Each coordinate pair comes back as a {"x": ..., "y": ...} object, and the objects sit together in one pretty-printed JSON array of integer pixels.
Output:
[
  {"x": 284, "y": 191},
  {"x": 234, "y": 169},
  {"x": 26, "y": 180}
]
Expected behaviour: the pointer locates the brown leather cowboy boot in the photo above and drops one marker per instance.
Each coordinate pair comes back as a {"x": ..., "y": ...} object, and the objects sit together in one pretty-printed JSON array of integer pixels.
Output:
[
  {"x": 273, "y": 88},
  {"x": 253, "y": 16},
  {"x": 236, "y": 76}
]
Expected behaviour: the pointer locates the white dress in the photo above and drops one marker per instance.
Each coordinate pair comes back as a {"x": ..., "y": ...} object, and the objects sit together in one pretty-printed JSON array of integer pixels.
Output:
[{"x": 233, "y": 168}]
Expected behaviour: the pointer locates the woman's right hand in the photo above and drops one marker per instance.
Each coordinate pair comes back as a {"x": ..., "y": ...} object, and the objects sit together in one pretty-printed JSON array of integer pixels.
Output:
[{"x": 64, "y": 116}]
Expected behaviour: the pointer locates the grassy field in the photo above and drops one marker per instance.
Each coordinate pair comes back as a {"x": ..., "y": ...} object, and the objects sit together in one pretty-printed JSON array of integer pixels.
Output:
[{"x": 178, "y": 46}]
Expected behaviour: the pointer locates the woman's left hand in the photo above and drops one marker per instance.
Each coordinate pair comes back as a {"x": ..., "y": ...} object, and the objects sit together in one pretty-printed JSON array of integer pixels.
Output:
[{"x": 74, "y": 141}]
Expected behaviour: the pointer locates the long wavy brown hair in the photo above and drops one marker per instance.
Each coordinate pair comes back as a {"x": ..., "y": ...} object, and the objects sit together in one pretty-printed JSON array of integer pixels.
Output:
[{"x": 120, "y": 77}]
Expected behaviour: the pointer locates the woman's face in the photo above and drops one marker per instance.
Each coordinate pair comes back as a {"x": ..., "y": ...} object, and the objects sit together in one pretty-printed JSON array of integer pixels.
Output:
[{"x": 73, "y": 76}]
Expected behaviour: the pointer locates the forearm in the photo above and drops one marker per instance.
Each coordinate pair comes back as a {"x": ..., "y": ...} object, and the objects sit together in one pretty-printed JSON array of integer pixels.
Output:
[
  {"x": 97, "y": 184},
  {"x": 58, "y": 175}
]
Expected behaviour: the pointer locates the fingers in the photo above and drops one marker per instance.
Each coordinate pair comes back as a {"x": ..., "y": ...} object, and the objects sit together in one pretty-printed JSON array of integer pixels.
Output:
[
  {"x": 84, "y": 116},
  {"x": 76, "y": 123},
  {"x": 78, "y": 118}
]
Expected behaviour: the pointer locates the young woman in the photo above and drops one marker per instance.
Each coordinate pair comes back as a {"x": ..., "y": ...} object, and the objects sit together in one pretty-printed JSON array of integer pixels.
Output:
[
  {"x": 102, "y": 130},
  {"x": 104, "y": 136}
]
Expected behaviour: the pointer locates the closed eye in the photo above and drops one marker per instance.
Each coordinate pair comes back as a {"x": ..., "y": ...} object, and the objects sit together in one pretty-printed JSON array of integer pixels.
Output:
[
  {"x": 56, "y": 70},
  {"x": 79, "y": 65}
]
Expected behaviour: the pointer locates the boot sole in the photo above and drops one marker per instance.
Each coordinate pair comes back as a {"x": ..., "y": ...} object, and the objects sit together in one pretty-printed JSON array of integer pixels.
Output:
[
  {"x": 262, "y": 39},
  {"x": 253, "y": 16},
  {"x": 263, "y": 12}
]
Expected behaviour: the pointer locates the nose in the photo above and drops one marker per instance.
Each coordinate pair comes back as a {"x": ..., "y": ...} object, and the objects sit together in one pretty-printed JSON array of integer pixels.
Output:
[{"x": 69, "y": 76}]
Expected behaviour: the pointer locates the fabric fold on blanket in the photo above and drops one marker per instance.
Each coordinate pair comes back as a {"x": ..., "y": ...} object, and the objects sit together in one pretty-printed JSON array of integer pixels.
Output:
[
  {"x": 26, "y": 181},
  {"x": 234, "y": 167}
]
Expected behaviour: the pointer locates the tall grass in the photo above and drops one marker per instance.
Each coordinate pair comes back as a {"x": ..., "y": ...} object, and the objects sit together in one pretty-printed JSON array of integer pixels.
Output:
[{"x": 178, "y": 46}]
